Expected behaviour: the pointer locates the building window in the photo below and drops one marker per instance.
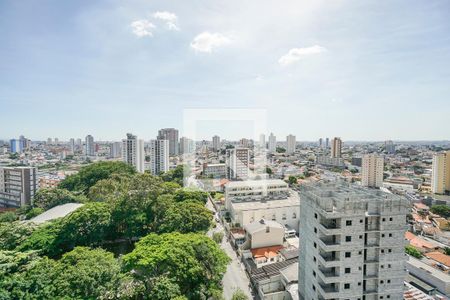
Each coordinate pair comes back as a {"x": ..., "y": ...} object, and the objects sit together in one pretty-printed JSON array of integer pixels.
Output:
[
  {"x": 294, "y": 216},
  {"x": 314, "y": 273},
  {"x": 315, "y": 215},
  {"x": 390, "y": 219},
  {"x": 390, "y": 234},
  {"x": 274, "y": 217},
  {"x": 360, "y": 237},
  {"x": 348, "y": 238},
  {"x": 384, "y": 219},
  {"x": 315, "y": 245},
  {"x": 346, "y": 286},
  {"x": 284, "y": 217},
  {"x": 314, "y": 288},
  {"x": 359, "y": 283},
  {"x": 348, "y": 254},
  {"x": 315, "y": 230},
  {"x": 381, "y": 281},
  {"x": 360, "y": 221},
  {"x": 382, "y": 235},
  {"x": 348, "y": 223},
  {"x": 347, "y": 270},
  {"x": 388, "y": 281},
  {"x": 389, "y": 250}
]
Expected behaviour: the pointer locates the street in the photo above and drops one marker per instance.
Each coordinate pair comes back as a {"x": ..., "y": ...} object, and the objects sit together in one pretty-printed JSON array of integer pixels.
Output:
[{"x": 235, "y": 276}]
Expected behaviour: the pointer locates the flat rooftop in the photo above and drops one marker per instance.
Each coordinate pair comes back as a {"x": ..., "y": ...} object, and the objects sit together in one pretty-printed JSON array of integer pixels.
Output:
[
  {"x": 292, "y": 200},
  {"x": 235, "y": 184},
  {"x": 56, "y": 212}
]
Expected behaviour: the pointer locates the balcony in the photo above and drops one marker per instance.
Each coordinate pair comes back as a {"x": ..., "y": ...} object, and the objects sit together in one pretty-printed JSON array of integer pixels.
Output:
[
  {"x": 329, "y": 228},
  {"x": 329, "y": 260},
  {"x": 328, "y": 291},
  {"x": 328, "y": 275},
  {"x": 328, "y": 244},
  {"x": 371, "y": 244}
]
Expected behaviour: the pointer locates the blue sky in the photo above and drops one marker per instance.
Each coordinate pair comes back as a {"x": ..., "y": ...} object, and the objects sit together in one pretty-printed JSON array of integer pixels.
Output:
[{"x": 362, "y": 70}]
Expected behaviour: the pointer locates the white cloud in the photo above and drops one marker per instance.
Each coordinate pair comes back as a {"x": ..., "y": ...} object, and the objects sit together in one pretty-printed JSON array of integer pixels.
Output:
[
  {"x": 296, "y": 54},
  {"x": 169, "y": 18},
  {"x": 142, "y": 28},
  {"x": 206, "y": 41}
]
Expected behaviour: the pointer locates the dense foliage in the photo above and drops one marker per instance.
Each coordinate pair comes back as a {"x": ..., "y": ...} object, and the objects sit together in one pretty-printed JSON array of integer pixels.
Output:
[
  {"x": 89, "y": 175},
  {"x": 442, "y": 210},
  {"x": 410, "y": 250},
  {"x": 67, "y": 258},
  {"x": 48, "y": 198}
]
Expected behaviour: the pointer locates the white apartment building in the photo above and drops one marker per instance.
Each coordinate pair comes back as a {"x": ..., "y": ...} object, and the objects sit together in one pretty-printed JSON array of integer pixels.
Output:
[
  {"x": 290, "y": 144},
  {"x": 351, "y": 242},
  {"x": 272, "y": 145},
  {"x": 216, "y": 143},
  {"x": 133, "y": 152},
  {"x": 171, "y": 135},
  {"x": 187, "y": 145},
  {"x": 372, "y": 170},
  {"x": 237, "y": 161},
  {"x": 17, "y": 186},
  {"x": 262, "y": 141},
  {"x": 330, "y": 161},
  {"x": 89, "y": 146},
  {"x": 336, "y": 147},
  {"x": 440, "y": 176},
  {"x": 253, "y": 200},
  {"x": 115, "y": 150},
  {"x": 72, "y": 145},
  {"x": 159, "y": 156},
  {"x": 215, "y": 170}
]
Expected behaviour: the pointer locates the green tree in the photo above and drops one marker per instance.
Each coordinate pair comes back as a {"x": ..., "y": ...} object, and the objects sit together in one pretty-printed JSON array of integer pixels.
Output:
[
  {"x": 193, "y": 261},
  {"x": 13, "y": 234},
  {"x": 239, "y": 295},
  {"x": 447, "y": 251},
  {"x": 442, "y": 210},
  {"x": 176, "y": 175},
  {"x": 8, "y": 216},
  {"x": 410, "y": 250},
  {"x": 191, "y": 194},
  {"x": 217, "y": 237},
  {"x": 163, "y": 288},
  {"x": 292, "y": 180},
  {"x": 88, "y": 176},
  {"x": 34, "y": 212},
  {"x": 48, "y": 198},
  {"x": 185, "y": 217},
  {"x": 280, "y": 150}
]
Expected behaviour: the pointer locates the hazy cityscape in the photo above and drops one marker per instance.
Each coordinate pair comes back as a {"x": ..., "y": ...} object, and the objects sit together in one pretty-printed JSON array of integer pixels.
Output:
[{"x": 225, "y": 150}]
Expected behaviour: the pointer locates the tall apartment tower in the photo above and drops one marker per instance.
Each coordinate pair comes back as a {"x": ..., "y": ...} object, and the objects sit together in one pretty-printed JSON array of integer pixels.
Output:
[
  {"x": 351, "y": 242},
  {"x": 290, "y": 144},
  {"x": 115, "y": 150},
  {"x": 372, "y": 170},
  {"x": 17, "y": 186},
  {"x": 187, "y": 145},
  {"x": 336, "y": 147},
  {"x": 171, "y": 135},
  {"x": 216, "y": 143},
  {"x": 272, "y": 146},
  {"x": 159, "y": 156},
  {"x": 262, "y": 141},
  {"x": 237, "y": 163},
  {"x": 440, "y": 175},
  {"x": 327, "y": 143},
  {"x": 89, "y": 146},
  {"x": 72, "y": 145},
  {"x": 133, "y": 152},
  {"x": 389, "y": 147},
  {"x": 320, "y": 143}
]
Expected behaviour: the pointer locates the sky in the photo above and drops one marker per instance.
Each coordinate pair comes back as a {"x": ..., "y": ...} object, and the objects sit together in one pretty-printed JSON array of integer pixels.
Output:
[{"x": 361, "y": 70}]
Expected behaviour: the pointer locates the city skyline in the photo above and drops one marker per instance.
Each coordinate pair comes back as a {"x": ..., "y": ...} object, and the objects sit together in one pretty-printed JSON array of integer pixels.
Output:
[{"x": 88, "y": 65}]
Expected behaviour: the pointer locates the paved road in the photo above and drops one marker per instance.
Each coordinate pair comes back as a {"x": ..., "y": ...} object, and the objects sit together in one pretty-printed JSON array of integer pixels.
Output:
[{"x": 235, "y": 276}]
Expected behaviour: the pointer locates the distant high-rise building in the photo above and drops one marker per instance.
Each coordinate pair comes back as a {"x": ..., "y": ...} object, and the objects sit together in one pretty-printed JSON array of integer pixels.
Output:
[
  {"x": 159, "y": 156},
  {"x": 237, "y": 162},
  {"x": 187, "y": 145},
  {"x": 72, "y": 145},
  {"x": 262, "y": 141},
  {"x": 56, "y": 141},
  {"x": 272, "y": 143},
  {"x": 89, "y": 147},
  {"x": 79, "y": 144},
  {"x": 351, "y": 242},
  {"x": 372, "y": 170},
  {"x": 133, "y": 152},
  {"x": 171, "y": 135},
  {"x": 440, "y": 175},
  {"x": 115, "y": 150},
  {"x": 320, "y": 143},
  {"x": 245, "y": 143},
  {"x": 15, "y": 146},
  {"x": 327, "y": 143},
  {"x": 216, "y": 143},
  {"x": 389, "y": 147},
  {"x": 290, "y": 144},
  {"x": 17, "y": 186},
  {"x": 336, "y": 147},
  {"x": 49, "y": 141}
]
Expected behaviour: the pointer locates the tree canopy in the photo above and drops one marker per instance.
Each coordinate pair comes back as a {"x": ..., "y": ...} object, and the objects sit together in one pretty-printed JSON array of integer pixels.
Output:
[
  {"x": 89, "y": 175},
  {"x": 193, "y": 261},
  {"x": 442, "y": 210},
  {"x": 184, "y": 217},
  {"x": 48, "y": 198}
]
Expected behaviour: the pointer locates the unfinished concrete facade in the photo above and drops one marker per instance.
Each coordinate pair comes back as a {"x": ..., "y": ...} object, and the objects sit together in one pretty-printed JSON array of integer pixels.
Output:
[{"x": 351, "y": 243}]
